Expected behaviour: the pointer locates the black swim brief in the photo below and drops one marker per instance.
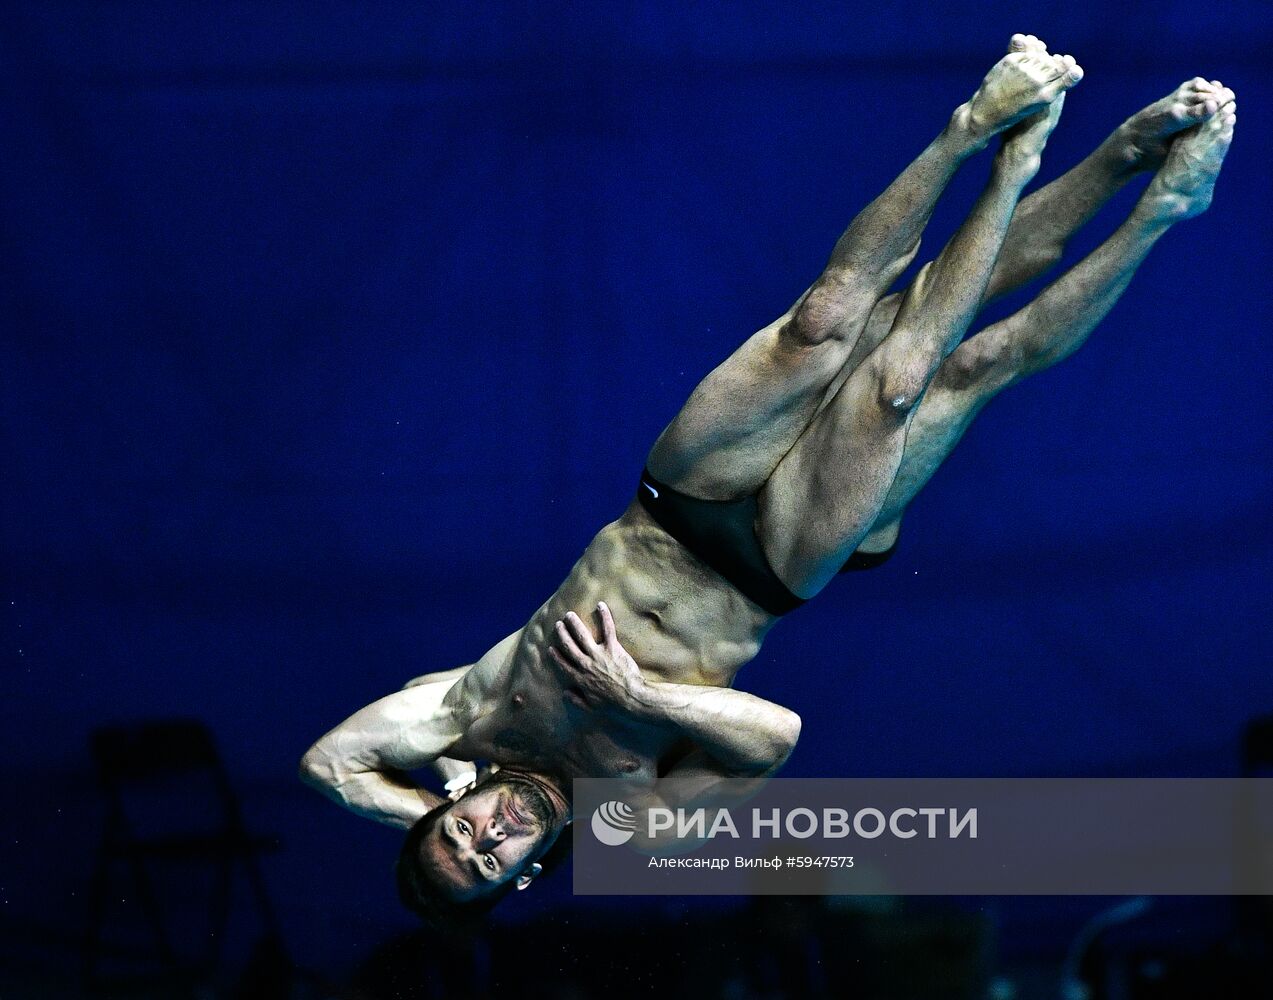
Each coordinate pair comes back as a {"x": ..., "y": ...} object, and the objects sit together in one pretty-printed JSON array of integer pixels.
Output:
[{"x": 722, "y": 533}]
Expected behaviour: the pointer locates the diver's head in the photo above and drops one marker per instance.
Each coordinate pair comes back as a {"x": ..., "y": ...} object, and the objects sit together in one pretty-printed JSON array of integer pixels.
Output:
[{"x": 462, "y": 857}]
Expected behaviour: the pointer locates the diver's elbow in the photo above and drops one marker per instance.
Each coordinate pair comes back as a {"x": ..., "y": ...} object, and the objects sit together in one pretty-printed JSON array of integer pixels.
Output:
[
  {"x": 788, "y": 733},
  {"x": 315, "y": 769}
]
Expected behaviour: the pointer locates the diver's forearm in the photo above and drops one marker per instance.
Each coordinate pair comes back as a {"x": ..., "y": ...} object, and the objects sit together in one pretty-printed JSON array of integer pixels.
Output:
[
  {"x": 746, "y": 735},
  {"x": 388, "y": 797},
  {"x": 362, "y": 764}
]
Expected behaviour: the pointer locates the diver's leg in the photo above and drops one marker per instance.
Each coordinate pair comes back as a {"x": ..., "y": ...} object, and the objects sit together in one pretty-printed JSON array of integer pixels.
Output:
[
  {"x": 1046, "y": 221},
  {"x": 1057, "y": 323},
  {"x": 747, "y": 413},
  {"x": 828, "y": 490}
]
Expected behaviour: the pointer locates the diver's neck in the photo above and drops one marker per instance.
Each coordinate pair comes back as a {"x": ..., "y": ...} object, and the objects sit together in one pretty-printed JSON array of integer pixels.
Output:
[{"x": 553, "y": 786}]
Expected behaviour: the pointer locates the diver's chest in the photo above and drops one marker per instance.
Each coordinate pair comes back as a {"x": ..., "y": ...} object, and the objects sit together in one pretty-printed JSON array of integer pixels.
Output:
[{"x": 562, "y": 738}]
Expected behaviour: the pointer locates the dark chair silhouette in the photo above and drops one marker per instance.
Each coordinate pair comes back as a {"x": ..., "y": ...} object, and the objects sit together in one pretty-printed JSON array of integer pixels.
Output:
[
  {"x": 1254, "y": 914},
  {"x": 169, "y": 805},
  {"x": 1257, "y": 746}
]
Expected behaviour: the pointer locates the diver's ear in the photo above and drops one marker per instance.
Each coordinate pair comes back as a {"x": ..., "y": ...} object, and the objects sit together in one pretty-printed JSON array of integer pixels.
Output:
[{"x": 526, "y": 877}]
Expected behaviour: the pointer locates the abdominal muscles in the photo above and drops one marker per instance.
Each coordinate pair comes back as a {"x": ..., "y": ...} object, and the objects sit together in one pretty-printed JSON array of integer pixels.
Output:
[{"x": 677, "y": 618}]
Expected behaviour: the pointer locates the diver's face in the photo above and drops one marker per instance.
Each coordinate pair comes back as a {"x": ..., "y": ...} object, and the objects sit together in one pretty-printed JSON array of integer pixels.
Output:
[{"x": 488, "y": 837}]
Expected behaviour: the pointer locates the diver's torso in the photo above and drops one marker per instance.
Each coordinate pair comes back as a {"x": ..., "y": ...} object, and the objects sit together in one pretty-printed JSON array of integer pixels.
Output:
[{"x": 679, "y": 620}]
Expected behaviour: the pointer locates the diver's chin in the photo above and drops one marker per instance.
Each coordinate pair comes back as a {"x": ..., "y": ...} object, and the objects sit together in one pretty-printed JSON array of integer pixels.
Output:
[
  {"x": 516, "y": 814},
  {"x": 550, "y": 798}
]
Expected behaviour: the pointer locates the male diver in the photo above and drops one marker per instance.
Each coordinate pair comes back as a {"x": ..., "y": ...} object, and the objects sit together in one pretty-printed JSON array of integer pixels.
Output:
[{"x": 792, "y": 461}]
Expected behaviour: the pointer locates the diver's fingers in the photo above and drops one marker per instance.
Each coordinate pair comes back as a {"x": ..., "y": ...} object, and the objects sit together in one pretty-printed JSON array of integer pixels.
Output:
[{"x": 607, "y": 624}]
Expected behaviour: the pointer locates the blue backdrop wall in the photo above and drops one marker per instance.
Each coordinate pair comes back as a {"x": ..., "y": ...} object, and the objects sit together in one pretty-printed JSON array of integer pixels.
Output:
[{"x": 332, "y": 333}]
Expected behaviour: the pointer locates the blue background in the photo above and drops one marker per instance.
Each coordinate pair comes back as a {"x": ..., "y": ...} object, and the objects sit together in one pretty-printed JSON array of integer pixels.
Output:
[{"x": 333, "y": 332}]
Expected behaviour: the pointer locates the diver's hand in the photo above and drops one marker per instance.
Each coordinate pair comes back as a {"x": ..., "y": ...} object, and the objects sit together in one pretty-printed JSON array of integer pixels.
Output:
[
  {"x": 457, "y": 776},
  {"x": 599, "y": 676}
]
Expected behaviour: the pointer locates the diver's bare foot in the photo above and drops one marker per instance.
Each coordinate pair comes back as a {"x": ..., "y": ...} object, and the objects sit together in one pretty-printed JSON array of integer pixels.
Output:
[
  {"x": 1183, "y": 185},
  {"x": 1023, "y": 82},
  {"x": 1143, "y": 139},
  {"x": 1023, "y": 144},
  {"x": 1026, "y": 43}
]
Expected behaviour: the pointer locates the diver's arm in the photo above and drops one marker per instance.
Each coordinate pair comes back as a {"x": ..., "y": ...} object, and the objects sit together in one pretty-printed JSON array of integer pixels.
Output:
[
  {"x": 696, "y": 782},
  {"x": 442, "y": 675},
  {"x": 362, "y": 763},
  {"x": 743, "y": 736},
  {"x": 451, "y": 772}
]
